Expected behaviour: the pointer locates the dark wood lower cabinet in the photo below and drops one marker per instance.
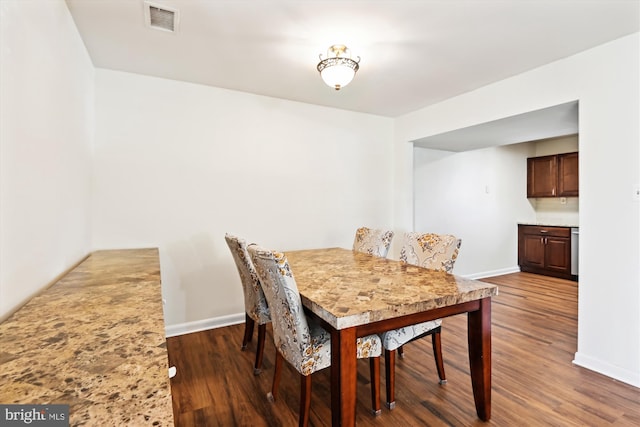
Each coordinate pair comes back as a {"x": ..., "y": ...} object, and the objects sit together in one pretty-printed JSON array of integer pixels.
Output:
[{"x": 545, "y": 250}]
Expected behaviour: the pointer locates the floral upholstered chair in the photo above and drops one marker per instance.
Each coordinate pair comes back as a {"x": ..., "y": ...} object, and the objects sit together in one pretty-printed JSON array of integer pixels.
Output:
[
  {"x": 435, "y": 252},
  {"x": 255, "y": 304},
  {"x": 298, "y": 340},
  {"x": 372, "y": 241}
]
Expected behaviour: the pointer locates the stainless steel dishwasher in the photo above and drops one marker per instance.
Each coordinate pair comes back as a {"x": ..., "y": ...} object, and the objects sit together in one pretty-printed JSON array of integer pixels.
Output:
[{"x": 575, "y": 235}]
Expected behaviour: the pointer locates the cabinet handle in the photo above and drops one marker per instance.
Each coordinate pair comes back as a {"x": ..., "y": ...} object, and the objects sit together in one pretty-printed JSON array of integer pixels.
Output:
[{"x": 544, "y": 231}]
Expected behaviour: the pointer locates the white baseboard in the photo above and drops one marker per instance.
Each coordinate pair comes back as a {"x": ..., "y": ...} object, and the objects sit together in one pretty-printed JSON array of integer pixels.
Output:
[
  {"x": 604, "y": 368},
  {"x": 492, "y": 273},
  {"x": 204, "y": 324}
]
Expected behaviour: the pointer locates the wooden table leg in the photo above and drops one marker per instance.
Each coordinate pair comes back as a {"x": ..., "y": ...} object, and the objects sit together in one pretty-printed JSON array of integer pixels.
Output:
[
  {"x": 343, "y": 377},
  {"x": 479, "y": 335}
]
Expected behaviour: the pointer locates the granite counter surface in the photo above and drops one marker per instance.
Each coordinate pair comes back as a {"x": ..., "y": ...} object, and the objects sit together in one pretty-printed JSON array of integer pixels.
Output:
[
  {"x": 549, "y": 224},
  {"x": 94, "y": 340},
  {"x": 348, "y": 288}
]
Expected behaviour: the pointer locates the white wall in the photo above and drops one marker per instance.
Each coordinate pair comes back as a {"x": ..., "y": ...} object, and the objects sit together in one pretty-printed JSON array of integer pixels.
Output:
[
  {"x": 46, "y": 122},
  {"x": 479, "y": 196},
  {"x": 561, "y": 144},
  {"x": 605, "y": 81},
  {"x": 177, "y": 165}
]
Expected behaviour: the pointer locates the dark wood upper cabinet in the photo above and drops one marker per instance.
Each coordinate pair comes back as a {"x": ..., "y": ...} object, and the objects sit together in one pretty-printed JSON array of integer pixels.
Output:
[
  {"x": 568, "y": 175},
  {"x": 542, "y": 176},
  {"x": 553, "y": 176}
]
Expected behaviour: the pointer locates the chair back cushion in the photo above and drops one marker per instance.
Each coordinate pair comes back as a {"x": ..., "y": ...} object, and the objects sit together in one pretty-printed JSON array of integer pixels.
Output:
[
  {"x": 372, "y": 241},
  {"x": 255, "y": 304},
  {"x": 433, "y": 251},
  {"x": 291, "y": 333}
]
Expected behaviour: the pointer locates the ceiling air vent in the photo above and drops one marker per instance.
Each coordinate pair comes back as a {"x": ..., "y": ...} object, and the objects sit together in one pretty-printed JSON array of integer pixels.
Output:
[{"x": 161, "y": 17}]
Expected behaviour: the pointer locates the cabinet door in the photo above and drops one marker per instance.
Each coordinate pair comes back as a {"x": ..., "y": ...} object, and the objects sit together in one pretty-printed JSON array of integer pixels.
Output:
[
  {"x": 557, "y": 254},
  {"x": 568, "y": 174},
  {"x": 533, "y": 251},
  {"x": 542, "y": 176}
]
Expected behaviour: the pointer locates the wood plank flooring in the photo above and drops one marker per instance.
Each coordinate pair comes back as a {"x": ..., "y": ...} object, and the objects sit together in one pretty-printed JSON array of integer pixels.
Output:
[{"x": 534, "y": 325}]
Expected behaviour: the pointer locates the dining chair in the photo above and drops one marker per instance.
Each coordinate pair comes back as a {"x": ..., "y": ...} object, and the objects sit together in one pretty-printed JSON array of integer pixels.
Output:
[
  {"x": 255, "y": 304},
  {"x": 372, "y": 241},
  {"x": 299, "y": 340},
  {"x": 435, "y": 252}
]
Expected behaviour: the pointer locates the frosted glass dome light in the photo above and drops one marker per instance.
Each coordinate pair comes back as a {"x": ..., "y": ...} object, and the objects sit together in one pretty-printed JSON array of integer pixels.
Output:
[{"x": 338, "y": 69}]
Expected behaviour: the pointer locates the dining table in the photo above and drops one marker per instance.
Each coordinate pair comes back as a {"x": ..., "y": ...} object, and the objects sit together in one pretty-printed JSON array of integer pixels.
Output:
[{"x": 355, "y": 294}]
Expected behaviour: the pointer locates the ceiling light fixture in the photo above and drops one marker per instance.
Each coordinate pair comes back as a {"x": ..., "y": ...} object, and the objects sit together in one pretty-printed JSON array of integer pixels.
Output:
[{"x": 337, "y": 69}]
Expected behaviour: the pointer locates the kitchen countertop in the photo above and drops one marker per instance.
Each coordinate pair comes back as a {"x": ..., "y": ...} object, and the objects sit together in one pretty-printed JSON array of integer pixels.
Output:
[
  {"x": 548, "y": 224},
  {"x": 95, "y": 340}
]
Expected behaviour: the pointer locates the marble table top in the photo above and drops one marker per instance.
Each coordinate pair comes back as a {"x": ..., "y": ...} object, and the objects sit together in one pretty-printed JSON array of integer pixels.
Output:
[
  {"x": 94, "y": 340},
  {"x": 347, "y": 288}
]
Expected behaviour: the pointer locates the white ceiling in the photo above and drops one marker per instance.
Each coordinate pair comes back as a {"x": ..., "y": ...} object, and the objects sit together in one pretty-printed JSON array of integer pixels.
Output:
[
  {"x": 558, "y": 120},
  {"x": 413, "y": 53}
]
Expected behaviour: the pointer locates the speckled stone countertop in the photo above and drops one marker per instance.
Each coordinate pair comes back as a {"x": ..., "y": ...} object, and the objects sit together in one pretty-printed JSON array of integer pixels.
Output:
[
  {"x": 347, "y": 288},
  {"x": 549, "y": 224},
  {"x": 94, "y": 340}
]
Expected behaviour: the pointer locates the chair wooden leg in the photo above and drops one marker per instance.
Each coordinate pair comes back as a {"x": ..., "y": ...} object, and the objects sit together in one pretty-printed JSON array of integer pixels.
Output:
[
  {"x": 277, "y": 370},
  {"x": 401, "y": 352},
  {"x": 437, "y": 355},
  {"x": 305, "y": 399},
  {"x": 390, "y": 371},
  {"x": 248, "y": 330},
  {"x": 262, "y": 329},
  {"x": 374, "y": 367}
]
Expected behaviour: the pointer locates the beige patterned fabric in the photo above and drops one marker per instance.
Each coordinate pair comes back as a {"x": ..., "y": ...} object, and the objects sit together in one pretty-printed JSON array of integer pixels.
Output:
[
  {"x": 372, "y": 241},
  {"x": 432, "y": 251},
  {"x": 255, "y": 304},
  {"x": 391, "y": 340},
  {"x": 304, "y": 344}
]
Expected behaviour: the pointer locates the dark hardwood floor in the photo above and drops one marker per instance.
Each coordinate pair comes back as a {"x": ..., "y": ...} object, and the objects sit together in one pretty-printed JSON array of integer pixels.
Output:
[{"x": 534, "y": 326}]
